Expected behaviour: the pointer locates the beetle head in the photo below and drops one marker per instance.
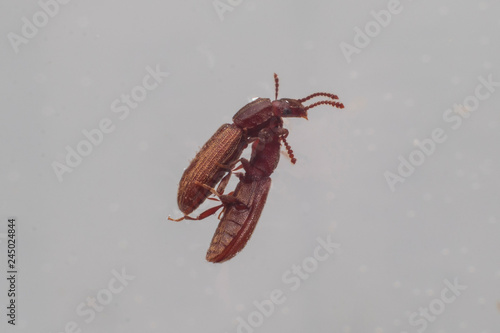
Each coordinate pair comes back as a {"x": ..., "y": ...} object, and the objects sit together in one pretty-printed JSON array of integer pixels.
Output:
[{"x": 287, "y": 107}]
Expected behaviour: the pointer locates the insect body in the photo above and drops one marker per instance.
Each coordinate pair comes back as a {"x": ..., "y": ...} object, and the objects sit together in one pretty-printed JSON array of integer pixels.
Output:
[
  {"x": 221, "y": 152},
  {"x": 260, "y": 122},
  {"x": 241, "y": 217},
  {"x": 209, "y": 166}
]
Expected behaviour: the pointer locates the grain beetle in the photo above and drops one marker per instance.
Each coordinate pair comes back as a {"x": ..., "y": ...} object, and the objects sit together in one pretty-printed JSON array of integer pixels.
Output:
[
  {"x": 243, "y": 207},
  {"x": 240, "y": 217},
  {"x": 221, "y": 152}
]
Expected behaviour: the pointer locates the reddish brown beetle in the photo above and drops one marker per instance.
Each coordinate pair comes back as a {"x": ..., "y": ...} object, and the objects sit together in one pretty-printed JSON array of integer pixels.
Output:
[
  {"x": 241, "y": 217},
  {"x": 259, "y": 121},
  {"x": 222, "y": 151},
  {"x": 243, "y": 207}
]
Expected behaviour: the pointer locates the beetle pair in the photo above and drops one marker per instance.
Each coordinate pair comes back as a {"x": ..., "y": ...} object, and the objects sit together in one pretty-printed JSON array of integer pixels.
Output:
[{"x": 260, "y": 122}]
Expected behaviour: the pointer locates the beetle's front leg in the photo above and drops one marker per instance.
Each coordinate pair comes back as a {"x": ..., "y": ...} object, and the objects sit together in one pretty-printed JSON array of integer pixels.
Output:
[
  {"x": 265, "y": 136},
  {"x": 281, "y": 132}
]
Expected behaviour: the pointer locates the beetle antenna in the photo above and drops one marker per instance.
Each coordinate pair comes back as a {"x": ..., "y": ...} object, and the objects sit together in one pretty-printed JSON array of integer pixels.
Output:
[
  {"x": 276, "y": 85},
  {"x": 288, "y": 150},
  {"x": 332, "y": 96},
  {"x": 332, "y": 103}
]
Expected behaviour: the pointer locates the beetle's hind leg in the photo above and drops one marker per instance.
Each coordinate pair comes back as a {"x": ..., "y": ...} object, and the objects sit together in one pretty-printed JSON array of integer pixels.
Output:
[
  {"x": 204, "y": 215},
  {"x": 225, "y": 180},
  {"x": 226, "y": 199}
]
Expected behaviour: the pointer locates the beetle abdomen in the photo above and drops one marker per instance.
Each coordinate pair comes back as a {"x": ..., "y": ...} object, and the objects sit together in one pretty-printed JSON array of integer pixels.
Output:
[
  {"x": 237, "y": 225},
  {"x": 222, "y": 149}
]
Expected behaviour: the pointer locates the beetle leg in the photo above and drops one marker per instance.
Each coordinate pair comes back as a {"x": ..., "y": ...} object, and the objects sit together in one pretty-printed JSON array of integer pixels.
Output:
[
  {"x": 281, "y": 132},
  {"x": 265, "y": 136},
  {"x": 251, "y": 139},
  {"x": 239, "y": 167},
  {"x": 205, "y": 214},
  {"x": 226, "y": 199},
  {"x": 245, "y": 164},
  {"x": 211, "y": 189},
  {"x": 225, "y": 180},
  {"x": 224, "y": 166},
  {"x": 223, "y": 183}
]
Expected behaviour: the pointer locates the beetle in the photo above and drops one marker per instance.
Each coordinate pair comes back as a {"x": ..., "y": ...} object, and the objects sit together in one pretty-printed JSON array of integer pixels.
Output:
[
  {"x": 241, "y": 216},
  {"x": 213, "y": 163},
  {"x": 274, "y": 132},
  {"x": 243, "y": 207}
]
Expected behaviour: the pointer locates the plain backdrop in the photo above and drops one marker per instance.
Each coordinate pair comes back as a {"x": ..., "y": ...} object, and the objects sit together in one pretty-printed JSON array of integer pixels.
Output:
[{"x": 399, "y": 247}]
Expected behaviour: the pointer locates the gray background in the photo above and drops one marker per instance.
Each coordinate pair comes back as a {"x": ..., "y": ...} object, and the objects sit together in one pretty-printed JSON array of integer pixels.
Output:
[{"x": 397, "y": 248}]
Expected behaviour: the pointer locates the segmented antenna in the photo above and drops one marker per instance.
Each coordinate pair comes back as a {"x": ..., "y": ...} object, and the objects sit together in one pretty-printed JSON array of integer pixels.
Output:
[
  {"x": 288, "y": 150},
  {"x": 332, "y": 103},
  {"x": 324, "y": 94},
  {"x": 276, "y": 85}
]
